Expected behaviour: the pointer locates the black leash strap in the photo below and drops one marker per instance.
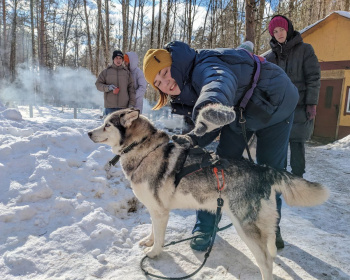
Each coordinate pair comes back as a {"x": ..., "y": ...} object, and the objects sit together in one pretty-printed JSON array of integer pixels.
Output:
[
  {"x": 242, "y": 121},
  {"x": 220, "y": 203},
  {"x": 116, "y": 158},
  {"x": 245, "y": 100}
]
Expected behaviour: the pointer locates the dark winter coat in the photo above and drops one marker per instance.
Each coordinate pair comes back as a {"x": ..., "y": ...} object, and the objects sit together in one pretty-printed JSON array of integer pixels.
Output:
[
  {"x": 299, "y": 61},
  {"x": 121, "y": 77},
  {"x": 223, "y": 76}
]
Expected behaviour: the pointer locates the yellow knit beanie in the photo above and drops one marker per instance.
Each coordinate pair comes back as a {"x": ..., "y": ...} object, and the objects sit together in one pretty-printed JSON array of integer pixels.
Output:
[{"x": 154, "y": 61}]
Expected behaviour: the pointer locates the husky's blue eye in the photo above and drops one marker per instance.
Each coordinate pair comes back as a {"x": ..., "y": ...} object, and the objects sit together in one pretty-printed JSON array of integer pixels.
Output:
[{"x": 107, "y": 125}]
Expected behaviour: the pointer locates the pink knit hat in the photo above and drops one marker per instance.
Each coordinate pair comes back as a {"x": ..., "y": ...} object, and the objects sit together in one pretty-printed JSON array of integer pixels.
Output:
[{"x": 278, "y": 22}]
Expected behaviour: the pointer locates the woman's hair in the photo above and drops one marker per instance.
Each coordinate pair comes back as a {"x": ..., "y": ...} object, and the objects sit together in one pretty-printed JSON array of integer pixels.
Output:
[{"x": 162, "y": 101}]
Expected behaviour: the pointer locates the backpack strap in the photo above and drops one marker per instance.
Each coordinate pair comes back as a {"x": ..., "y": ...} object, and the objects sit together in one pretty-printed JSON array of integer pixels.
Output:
[{"x": 250, "y": 91}]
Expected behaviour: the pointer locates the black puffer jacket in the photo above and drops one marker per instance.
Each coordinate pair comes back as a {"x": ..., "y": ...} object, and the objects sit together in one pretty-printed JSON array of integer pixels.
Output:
[{"x": 299, "y": 61}]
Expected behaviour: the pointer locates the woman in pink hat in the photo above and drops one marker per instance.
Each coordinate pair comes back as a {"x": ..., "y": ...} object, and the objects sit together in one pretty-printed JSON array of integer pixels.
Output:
[{"x": 299, "y": 61}]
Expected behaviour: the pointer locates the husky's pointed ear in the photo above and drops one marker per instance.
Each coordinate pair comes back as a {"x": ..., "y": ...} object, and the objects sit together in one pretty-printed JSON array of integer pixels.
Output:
[{"x": 127, "y": 118}]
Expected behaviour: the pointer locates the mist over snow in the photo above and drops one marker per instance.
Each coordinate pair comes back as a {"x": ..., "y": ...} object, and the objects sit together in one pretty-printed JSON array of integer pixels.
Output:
[
  {"x": 62, "y": 216},
  {"x": 62, "y": 86}
]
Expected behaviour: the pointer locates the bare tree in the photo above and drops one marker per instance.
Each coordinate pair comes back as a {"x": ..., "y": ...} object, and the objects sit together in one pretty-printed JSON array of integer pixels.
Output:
[
  {"x": 107, "y": 26},
  {"x": 13, "y": 42},
  {"x": 205, "y": 19},
  {"x": 137, "y": 25},
  {"x": 159, "y": 23},
  {"x": 88, "y": 37},
  {"x": 324, "y": 8},
  {"x": 42, "y": 54},
  {"x": 4, "y": 40},
  {"x": 260, "y": 22},
  {"x": 97, "y": 45},
  {"x": 291, "y": 8},
  {"x": 132, "y": 25},
  {"x": 250, "y": 20},
  {"x": 125, "y": 5},
  {"x": 103, "y": 39},
  {"x": 70, "y": 15},
  {"x": 32, "y": 31},
  {"x": 189, "y": 22},
  {"x": 152, "y": 27},
  {"x": 167, "y": 23},
  {"x": 142, "y": 5}
]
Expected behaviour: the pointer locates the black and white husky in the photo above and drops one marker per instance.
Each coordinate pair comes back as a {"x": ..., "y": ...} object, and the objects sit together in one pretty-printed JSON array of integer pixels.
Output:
[{"x": 150, "y": 162}]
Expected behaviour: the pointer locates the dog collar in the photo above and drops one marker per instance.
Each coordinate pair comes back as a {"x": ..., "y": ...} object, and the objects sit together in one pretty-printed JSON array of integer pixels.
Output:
[{"x": 116, "y": 158}]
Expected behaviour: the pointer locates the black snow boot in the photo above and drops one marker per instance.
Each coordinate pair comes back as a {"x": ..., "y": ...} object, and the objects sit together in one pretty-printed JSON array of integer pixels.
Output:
[{"x": 279, "y": 240}]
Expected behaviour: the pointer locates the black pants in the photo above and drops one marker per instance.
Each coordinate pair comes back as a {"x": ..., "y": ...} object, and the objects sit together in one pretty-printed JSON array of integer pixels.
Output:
[{"x": 297, "y": 158}]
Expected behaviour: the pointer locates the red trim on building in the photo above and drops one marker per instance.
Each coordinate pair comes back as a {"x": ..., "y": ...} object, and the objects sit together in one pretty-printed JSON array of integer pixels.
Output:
[{"x": 335, "y": 65}]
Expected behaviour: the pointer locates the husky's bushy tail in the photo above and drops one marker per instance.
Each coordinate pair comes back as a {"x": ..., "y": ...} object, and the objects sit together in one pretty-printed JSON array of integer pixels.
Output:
[{"x": 297, "y": 191}]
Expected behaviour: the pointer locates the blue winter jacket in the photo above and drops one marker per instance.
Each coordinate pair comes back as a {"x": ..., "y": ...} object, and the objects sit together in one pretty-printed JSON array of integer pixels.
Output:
[{"x": 223, "y": 76}]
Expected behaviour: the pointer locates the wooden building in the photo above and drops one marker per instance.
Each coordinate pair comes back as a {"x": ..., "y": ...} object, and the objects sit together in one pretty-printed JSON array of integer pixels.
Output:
[{"x": 330, "y": 38}]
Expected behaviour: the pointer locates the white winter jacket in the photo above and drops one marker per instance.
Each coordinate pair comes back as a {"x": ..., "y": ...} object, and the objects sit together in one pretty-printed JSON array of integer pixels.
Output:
[{"x": 140, "y": 83}]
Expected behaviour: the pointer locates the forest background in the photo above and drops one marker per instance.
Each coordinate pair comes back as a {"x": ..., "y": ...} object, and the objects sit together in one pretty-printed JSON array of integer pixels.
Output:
[{"x": 46, "y": 44}]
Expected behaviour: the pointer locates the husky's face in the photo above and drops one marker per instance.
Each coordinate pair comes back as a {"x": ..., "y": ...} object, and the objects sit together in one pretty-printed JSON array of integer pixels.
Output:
[{"x": 112, "y": 132}]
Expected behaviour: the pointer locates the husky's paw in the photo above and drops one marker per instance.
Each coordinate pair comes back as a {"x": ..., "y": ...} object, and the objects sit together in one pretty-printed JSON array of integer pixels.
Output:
[
  {"x": 147, "y": 241},
  {"x": 152, "y": 252},
  {"x": 212, "y": 117},
  {"x": 184, "y": 141}
]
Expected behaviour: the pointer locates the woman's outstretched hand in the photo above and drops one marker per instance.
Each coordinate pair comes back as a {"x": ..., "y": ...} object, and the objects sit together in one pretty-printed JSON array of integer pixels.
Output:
[{"x": 212, "y": 117}]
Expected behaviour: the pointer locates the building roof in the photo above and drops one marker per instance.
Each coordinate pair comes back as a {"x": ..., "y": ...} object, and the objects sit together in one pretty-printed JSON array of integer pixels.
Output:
[{"x": 341, "y": 13}]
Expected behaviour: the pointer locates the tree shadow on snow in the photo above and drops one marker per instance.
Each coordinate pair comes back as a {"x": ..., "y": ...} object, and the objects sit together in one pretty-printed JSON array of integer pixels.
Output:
[{"x": 309, "y": 263}]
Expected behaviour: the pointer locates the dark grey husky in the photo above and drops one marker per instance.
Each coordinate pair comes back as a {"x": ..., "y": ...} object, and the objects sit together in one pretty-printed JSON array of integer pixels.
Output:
[{"x": 150, "y": 163}]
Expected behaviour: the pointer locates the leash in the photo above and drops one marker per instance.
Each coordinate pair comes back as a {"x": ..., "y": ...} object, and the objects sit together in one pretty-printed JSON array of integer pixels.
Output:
[
  {"x": 245, "y": 100},
  {"x": 220, "y": 204}
]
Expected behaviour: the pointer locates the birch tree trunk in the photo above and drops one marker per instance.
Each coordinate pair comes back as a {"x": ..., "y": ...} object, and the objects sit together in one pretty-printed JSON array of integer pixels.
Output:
[{"x": 88, "y": 37}]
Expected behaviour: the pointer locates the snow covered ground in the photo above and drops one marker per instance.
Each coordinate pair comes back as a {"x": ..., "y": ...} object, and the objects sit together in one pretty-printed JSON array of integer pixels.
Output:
[{"x": 63, "y": 217}]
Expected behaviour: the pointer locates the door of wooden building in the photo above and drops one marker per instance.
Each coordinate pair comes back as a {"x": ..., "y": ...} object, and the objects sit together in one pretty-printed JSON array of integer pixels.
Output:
[{"x": 328, "y": 109}]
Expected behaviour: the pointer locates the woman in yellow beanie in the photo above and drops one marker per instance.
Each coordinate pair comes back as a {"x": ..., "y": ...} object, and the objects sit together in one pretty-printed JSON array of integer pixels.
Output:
[{"x": 207, "y": 85}]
